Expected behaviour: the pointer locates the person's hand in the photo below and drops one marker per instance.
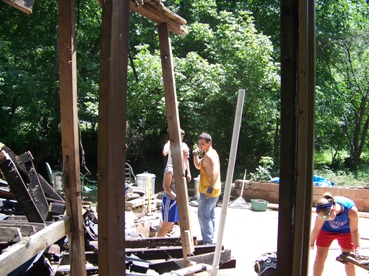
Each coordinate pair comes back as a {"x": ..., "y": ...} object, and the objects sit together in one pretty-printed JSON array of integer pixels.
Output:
[
  {"x": 312, "y": 246},
  {"x": 198, "y": 152},
  {"x": 210, "y": 190},
  {"x": 189, "y": 177}
]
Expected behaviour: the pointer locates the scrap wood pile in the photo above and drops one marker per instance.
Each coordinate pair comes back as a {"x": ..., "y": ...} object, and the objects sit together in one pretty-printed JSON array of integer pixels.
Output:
[
  {"x": 29, "y": 205},
  {"x": 31, "y": 212}
]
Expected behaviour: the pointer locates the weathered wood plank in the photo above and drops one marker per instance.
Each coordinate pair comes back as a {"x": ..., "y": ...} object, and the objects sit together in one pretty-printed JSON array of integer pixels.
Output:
[
  {"x": 153, "y": 242},
  {"x": 34, "y": 186},
  {"x": 10, "y": 234},
  {"x": 70, "y": 131},
  {"x": 23, "y": 223},
  {"x": 22, "y": 5},
  {"x": 49, "y": 191},
  {"x": 111, "y": 135},
  {"x": 174, "y": 264},
  {"x": 19, "y": 253},
  {"x": 171, "y": 105},
  {"x": 19, "y": 188},
  {"x": 167, "y": 252},
  {"x": 25, "y": 229},
  {"x": 57, "y": 208},
  {"x": 160, "y": 14}
]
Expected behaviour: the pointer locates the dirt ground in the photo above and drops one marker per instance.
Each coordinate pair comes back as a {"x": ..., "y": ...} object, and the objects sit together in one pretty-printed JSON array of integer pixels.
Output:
[{"x": 249, "y": 234}]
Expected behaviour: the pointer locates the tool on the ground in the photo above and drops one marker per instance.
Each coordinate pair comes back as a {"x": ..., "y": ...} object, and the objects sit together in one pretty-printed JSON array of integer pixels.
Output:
[{"x": 240, "y": 202}]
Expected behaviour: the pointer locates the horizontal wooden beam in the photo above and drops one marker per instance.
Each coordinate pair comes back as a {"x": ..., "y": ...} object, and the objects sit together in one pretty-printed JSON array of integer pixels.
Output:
[
  {"x": 22, "y": 5},
  {"x": 167, "y": 252},
  {"x": 158, "y": 13},
  {"x": 175, "y": 264},
  {"x": 21, "y": 252}
]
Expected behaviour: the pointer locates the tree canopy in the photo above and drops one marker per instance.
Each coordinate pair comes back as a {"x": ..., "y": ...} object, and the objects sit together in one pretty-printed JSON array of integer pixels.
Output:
[{"x": 230, "y": 46}]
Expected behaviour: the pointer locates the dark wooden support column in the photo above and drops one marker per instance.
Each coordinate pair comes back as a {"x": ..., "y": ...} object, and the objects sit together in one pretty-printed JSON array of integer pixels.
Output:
[
  {"x": 69, "y": 126},
  {"x": 297, "y": 135},
  {"x": 175, "y": 140},
  {"x": 111, "y": 135}
]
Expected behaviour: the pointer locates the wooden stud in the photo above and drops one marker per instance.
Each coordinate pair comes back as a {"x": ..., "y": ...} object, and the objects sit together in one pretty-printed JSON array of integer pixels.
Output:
[
  {"x": 171, "y": 105},
  {"x": 69, "y": 126},
  {"x": 111, "y": 135}
]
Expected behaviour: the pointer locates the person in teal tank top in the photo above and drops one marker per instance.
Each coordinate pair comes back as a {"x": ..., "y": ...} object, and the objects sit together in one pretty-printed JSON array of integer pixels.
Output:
[{"x": 337, "y": 219}]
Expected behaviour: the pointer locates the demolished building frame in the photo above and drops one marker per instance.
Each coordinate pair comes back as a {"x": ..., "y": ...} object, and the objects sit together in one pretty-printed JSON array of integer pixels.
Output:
[{"x": 297, "y": 129}]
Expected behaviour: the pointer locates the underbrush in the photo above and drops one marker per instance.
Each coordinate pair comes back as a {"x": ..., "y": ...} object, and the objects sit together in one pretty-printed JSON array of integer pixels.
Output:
[
  {"x": 336, "y": 171},
  {"x": 345, "y": 177}
]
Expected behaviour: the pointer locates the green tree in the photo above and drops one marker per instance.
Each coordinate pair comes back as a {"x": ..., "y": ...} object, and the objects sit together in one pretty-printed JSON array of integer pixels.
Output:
[{"x": 342, "y": 71}]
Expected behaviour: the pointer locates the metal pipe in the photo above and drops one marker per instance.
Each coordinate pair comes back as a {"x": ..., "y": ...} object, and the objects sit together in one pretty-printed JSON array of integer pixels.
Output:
[{"x": 230, "y": 171}]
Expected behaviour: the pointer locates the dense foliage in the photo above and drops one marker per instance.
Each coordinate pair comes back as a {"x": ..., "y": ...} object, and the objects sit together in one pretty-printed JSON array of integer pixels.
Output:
[{"x": 231, "y": 45}]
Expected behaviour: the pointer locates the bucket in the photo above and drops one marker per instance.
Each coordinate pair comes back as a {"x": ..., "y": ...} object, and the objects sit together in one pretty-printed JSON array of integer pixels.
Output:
[
  {"x": 196, "y": 192},
  {"x": 259, "y": 204},
  {"x": 146, "y": 181},
  {"x": 57, "y": 181}
]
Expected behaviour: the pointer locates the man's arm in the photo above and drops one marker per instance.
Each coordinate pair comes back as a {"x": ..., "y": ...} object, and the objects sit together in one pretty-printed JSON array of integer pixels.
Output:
[{"x": 196, "y": 159}]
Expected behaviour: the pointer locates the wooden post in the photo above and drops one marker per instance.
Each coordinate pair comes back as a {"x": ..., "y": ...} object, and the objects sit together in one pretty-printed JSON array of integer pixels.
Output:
[
  {"x": 69, "y": 126},
  {"x": 175, "y": 140},
  {"x": 297, "y": 135},
  {"x": 111, "y": 136}
]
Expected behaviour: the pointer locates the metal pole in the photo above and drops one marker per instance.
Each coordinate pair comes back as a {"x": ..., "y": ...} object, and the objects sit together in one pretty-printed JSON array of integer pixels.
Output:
[{"x": 227, "y": 190}]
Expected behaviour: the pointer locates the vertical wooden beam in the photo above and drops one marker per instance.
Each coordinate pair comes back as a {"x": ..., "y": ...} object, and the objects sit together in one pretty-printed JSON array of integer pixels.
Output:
[
  {"x": 297, "y": 135},
  {"x": 69, "y": 126},
  {"x": 111, "y": 135},
  {"x": 175, "y": 140},
  {"x": 311, "y": 81}
]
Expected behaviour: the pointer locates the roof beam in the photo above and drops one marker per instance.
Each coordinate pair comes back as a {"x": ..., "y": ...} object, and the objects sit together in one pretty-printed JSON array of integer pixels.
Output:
[
  {"x": 22, "y": 5},
  {"x": 158, "y": 13}
]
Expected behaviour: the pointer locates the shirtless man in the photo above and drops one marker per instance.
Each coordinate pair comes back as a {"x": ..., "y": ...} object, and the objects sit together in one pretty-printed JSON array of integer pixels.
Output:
[
  {"x": 209, "y": 186},
  {"x": 166, "y": 152}
]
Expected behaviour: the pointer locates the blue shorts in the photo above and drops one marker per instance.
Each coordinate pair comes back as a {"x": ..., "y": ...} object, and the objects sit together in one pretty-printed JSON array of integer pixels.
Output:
[{"x": 169, "y": 210}]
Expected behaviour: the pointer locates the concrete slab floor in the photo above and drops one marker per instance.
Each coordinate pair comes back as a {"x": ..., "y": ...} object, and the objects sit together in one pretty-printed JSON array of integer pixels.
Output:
[{"x": 249, "y": 234}]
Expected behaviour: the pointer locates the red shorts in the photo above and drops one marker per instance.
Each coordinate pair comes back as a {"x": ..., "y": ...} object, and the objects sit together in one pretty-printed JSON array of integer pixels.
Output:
[{"x": 325, "y": 239}]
